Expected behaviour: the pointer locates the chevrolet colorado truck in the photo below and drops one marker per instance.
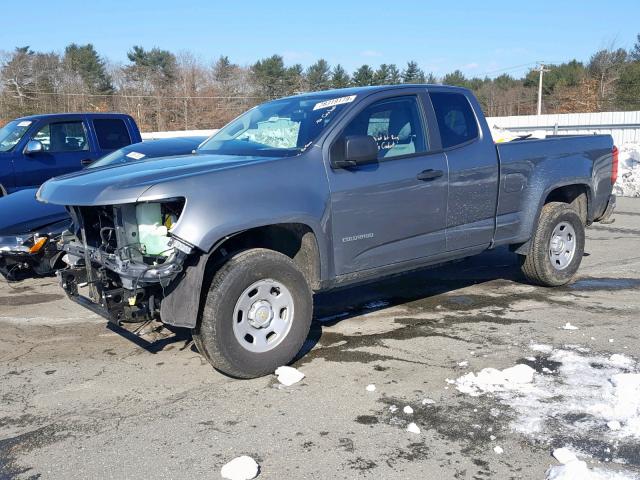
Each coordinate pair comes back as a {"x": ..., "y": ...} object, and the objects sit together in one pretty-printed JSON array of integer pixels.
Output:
[{"x": 315, "y": 191}]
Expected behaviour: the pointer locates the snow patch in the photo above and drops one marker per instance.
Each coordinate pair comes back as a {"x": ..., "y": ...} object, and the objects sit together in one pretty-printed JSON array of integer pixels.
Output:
[
  {"x": 628, "y": 183},
  {"x": 240, "y": 468},
  {"x": 574, "y": 469},
  {"x": 408, "y": 410},
  {"x": 288, "y": 375},
  {"x": 413, "y": 428},
  {"x": 498, "y": 449},
  {"x": 371, "y": 388},
  {"x": 568, "y": 326},
  {"x": 493, "y": 380},
  {"x": 593, "y": 400}
]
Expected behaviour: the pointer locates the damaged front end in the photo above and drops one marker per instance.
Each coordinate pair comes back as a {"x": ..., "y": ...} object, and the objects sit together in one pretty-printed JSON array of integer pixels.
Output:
[{"x": 124, "y": 257}]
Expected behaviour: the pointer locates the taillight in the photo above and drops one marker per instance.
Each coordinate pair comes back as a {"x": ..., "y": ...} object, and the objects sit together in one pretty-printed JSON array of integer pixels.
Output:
[{"x": 614, "y": 165}]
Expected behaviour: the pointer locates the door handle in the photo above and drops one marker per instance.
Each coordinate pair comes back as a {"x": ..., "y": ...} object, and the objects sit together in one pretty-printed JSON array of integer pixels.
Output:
[
  {"x": 429, "y": 174},
  {"x": 86, "y": 162}
]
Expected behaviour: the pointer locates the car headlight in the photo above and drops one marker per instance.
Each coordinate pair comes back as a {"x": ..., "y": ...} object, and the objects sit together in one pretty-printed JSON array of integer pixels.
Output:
[{"x": 23, "y": 244}]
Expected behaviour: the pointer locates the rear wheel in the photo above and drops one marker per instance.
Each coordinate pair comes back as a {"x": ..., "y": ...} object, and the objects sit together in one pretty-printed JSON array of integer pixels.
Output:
[
  {"x": 256, "y": 316},
  {"x": 557, "y": 246}
]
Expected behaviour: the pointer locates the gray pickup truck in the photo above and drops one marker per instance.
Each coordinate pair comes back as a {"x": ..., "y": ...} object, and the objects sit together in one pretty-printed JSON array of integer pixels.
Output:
[{"x": 315, "y": 191}]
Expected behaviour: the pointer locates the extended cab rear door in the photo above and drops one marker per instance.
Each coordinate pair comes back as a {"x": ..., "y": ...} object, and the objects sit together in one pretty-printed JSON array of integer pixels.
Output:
[
  {"x": 394, "y": 210},
  {"x": 473, "y": 168},
  {"x": 112, "y": 133}
]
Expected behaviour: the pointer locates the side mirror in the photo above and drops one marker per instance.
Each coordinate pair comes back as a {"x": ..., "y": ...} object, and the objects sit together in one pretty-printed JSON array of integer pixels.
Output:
[
  {"x": 34, "y": 146},
  {"x": 358, "y": 150}
]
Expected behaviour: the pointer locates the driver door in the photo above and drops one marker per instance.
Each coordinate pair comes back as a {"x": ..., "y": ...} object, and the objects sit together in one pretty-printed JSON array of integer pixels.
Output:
[
  {"x": 392, "y": 211},
  {"x": 65, "y": 150}
]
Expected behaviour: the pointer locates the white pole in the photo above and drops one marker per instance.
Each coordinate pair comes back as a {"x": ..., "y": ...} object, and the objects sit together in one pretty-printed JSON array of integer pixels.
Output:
[{"x": 541, "y": 70}]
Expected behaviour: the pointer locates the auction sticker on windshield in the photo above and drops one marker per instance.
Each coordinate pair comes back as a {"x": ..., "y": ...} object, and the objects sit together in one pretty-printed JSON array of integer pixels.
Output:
[
  {"x": 334, "y": 101},
  {"x": 24, "y": 123}
]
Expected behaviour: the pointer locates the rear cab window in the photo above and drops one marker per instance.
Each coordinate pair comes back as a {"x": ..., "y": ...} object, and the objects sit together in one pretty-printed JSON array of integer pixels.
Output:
[
  {"x": 456, "y": 121},
  {"x": 112, "y": 133}
]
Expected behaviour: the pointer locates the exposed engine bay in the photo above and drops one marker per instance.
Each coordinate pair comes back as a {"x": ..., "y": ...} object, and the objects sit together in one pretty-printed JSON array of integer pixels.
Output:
[{"x": 125, "y": 256}]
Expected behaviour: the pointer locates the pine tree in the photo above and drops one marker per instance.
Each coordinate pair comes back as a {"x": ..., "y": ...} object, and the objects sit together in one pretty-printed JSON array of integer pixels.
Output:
[
  {"x": 84, "y": 61},
  {"x": 413, "y": 74},
  {"x": 381, "y": 75},
  {"x": 339, "y": 77},
  {"x": 394, "y": 76},
  {"x": 634, "y": 54},
  {"x": 363, "y": 76},
  {"x": 318, "y": 76}
]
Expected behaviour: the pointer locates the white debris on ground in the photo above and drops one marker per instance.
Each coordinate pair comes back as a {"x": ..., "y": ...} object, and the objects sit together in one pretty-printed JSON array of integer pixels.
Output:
[
  {"x": 288, "y": 375},
  {"x": 463, "y": 364},
  {"x": 428, "y": 401},
  {"x": 568, "y": 326},
  {"x": 493, "y": 380},
  {"x": 590, "y": 401},
  {"x": 574, "y": 469},
  {"x": 240, "y": 468},
  {"x": 498, "y": 449},
  {"x": 408, "y": 410},
  {"x": 371, "y": 388},
  {"x": 393, "y": 408},
  {"x": 628, "y": 184},
  {"x": 413, "y": 428}
]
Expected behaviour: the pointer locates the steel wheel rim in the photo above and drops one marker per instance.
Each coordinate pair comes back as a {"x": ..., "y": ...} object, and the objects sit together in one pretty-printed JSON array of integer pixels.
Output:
[
  {"x": 263, "y": 315},
  {"x": 562, "y": 245}
]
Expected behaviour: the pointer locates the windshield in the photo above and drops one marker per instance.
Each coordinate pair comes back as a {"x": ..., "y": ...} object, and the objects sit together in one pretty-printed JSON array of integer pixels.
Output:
[
  {"x": 11, "y": 134},
  {"x": 284, "y": 127}
]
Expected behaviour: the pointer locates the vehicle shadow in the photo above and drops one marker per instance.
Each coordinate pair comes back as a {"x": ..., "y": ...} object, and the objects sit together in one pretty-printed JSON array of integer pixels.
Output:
[
  {"x": 335, "y": 306},
  {"x": 343, "y": 303}
]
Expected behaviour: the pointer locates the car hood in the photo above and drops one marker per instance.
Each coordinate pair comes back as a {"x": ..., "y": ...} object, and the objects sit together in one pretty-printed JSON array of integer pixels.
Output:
[
  {"x": 125, "y": 183},
  {"x": 21, "y": 213}
]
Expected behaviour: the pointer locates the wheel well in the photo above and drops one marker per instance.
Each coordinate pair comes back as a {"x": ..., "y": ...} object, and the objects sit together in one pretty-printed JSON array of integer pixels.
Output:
[
  {"x": 575, "y": 195},
  {"x": 295, "y": 240}
]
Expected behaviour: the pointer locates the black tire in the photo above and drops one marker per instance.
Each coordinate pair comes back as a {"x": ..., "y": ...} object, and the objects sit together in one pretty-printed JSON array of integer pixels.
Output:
[
  {"x": 215, "y": 338},
  {"x": 538, "y": 266}
]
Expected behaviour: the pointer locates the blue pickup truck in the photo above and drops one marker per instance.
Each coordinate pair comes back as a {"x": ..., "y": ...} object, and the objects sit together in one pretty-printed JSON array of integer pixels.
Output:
[{"x": 34, "y": 149}]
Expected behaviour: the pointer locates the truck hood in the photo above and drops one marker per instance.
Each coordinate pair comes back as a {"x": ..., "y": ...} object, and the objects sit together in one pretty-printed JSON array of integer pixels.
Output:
[
  {"x": 121, "y": 184},
  {"x": 21, "y": 214}
]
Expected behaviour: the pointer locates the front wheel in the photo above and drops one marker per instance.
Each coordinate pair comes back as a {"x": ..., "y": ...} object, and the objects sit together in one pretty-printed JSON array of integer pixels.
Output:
[
  {"x": 556, "y": 248},
  {"x": 257, "y": 314}
]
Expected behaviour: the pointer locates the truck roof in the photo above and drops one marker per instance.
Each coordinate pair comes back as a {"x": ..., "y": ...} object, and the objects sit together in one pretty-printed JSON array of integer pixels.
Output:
[
  {"x": 378, "y": 88},
  {"x": 74, "y": 114}
]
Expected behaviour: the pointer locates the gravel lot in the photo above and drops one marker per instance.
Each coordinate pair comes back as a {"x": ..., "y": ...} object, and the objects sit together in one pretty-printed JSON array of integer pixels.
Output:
[{"x": 79, "y": 400}]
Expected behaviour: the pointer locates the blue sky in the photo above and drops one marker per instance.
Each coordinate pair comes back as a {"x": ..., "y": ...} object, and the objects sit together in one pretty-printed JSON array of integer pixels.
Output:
[{"x": 478, "y": 37}]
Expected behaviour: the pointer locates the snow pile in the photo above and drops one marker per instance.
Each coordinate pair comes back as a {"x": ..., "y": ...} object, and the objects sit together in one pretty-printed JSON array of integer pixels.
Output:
[
  {"x": 240, "y": 468},
  {"x": 568, "y": 326},
  {"x": 413, "y": 428},
  {"x": 288, "y": 375},
  {"x": 493, "y": 380},
  {"x": 593, "y": 400},
  {"x": 628, "y": 184},
  {"x": 574, "y": 469}
]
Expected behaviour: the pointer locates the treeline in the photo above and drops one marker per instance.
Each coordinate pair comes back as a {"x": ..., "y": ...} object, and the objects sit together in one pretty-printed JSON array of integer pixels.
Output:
[{"x": 167, "y": 91}]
